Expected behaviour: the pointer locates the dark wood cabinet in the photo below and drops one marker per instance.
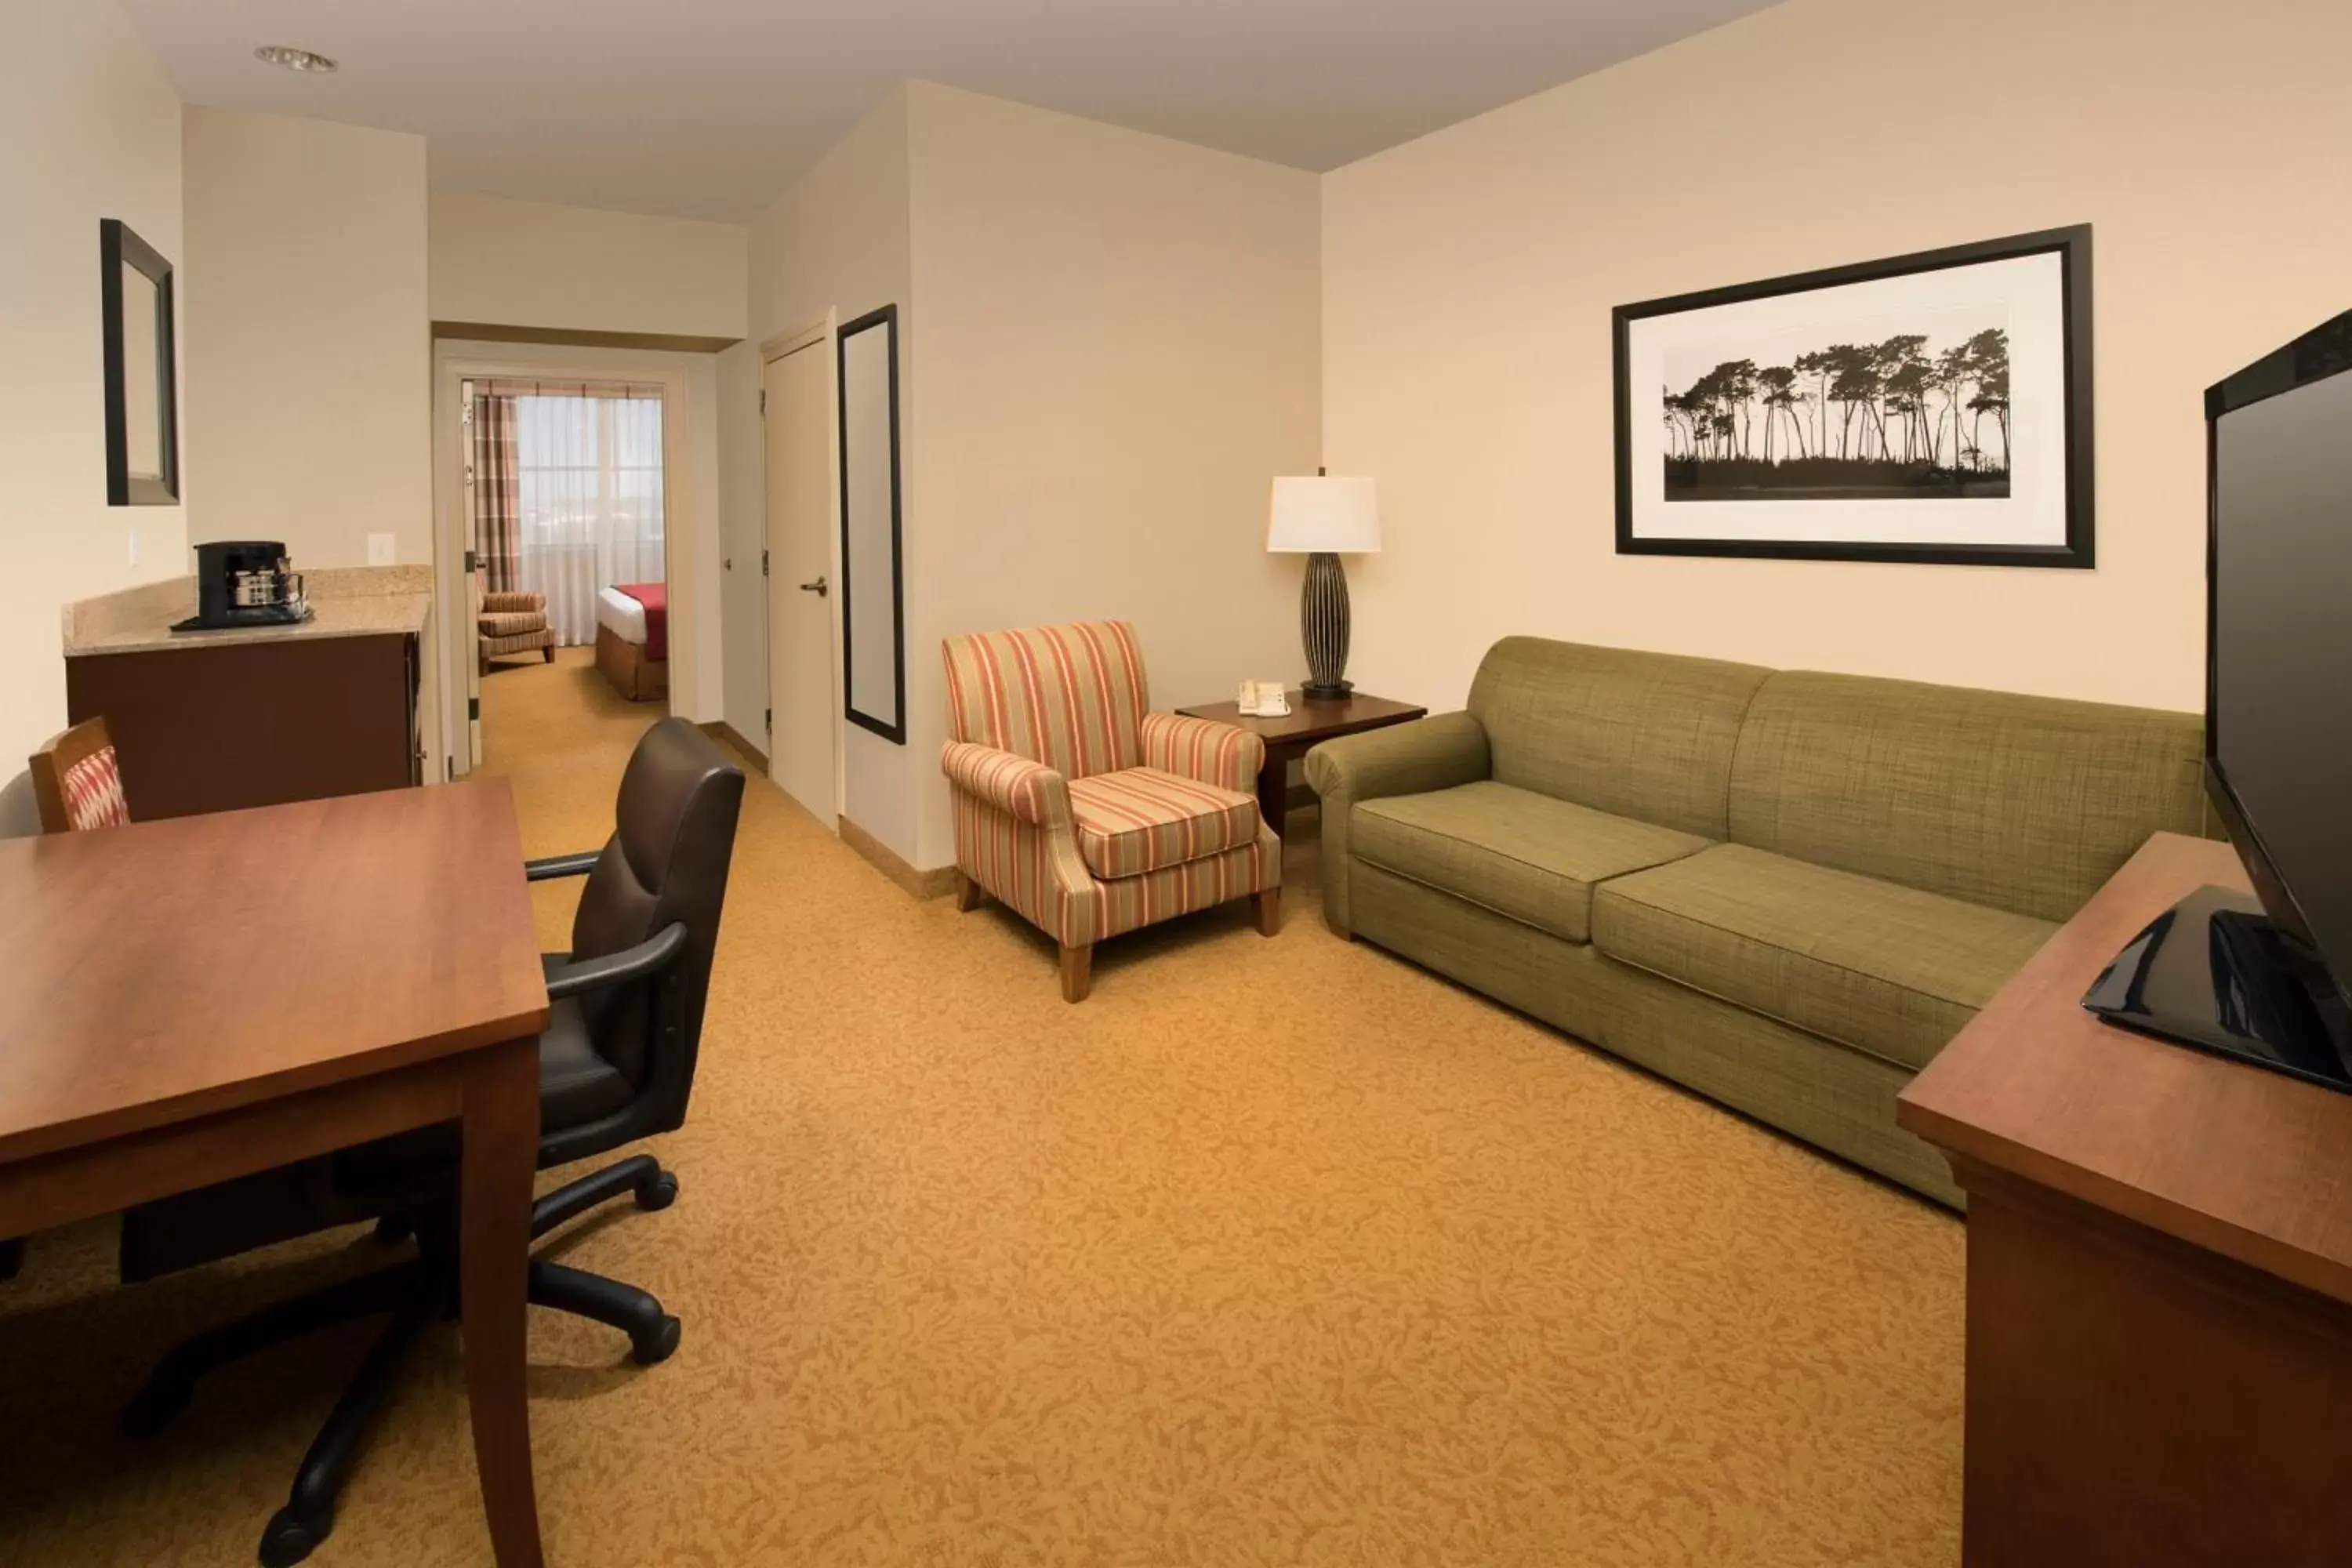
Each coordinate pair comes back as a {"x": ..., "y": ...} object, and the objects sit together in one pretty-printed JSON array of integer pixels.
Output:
[
  {"x": 215, "y": 728},
  {"x": 2159, "y": 1306}
]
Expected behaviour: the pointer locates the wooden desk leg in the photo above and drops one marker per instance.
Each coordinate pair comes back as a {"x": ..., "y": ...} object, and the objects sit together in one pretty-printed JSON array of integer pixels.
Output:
[{"x": 501, "y": 1150}]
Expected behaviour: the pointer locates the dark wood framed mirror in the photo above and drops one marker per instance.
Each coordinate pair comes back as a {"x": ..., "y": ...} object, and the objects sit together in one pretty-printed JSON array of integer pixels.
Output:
[
  {"x": 873, "y": 616},
  {"x": 142, "y": 421}
]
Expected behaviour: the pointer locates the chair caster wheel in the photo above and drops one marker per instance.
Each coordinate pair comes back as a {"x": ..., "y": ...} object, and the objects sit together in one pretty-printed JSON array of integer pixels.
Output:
[
  {"x": 656, "y": 1345},
  {"x": 288, "y": 1539},
  {"x": 152, "y": 1408},
  {"x": 657, "y": 1191}
]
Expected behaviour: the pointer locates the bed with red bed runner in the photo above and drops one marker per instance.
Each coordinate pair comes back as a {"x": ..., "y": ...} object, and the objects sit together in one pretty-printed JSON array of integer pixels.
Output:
[{"x": 638, "y": 671}]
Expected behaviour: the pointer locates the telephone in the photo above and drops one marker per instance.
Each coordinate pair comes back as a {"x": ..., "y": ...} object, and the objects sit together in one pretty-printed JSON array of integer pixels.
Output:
[{"x": 1264, "y": 700}]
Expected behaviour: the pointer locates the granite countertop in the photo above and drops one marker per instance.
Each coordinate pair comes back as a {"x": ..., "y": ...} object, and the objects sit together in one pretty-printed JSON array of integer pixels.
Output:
[{"x": 348, "y": 602}]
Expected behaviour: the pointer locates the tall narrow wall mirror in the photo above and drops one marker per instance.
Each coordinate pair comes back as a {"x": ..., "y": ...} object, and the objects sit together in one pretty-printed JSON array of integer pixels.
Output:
[
  {"x": 142, "y": 427},
  {"x": 873, "y": 634}
]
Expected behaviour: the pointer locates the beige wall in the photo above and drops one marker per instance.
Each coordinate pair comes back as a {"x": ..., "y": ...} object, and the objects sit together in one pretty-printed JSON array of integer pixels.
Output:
[
  {"x": 307, "y": 341},
  {"x": 535, "y": 264},
  {"x": 837, "y": 241},
  {"x": 1119, "y": 351},
  {"x": 1469, "y": 276},
  {"x": 1107, "y": 347},
  {"x": 90, "y": 128}
]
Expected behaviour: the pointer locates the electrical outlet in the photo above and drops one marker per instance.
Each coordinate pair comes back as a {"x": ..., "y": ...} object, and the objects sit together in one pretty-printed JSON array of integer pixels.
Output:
[
  {"x": 379, "y": 550},
  {"x": 134, "y": 534}
]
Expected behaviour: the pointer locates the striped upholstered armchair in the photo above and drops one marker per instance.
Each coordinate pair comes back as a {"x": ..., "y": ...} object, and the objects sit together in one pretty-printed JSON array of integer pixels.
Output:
[
  {"x": 1085, "y": 813},
  {"x": 511, "y": 622}
]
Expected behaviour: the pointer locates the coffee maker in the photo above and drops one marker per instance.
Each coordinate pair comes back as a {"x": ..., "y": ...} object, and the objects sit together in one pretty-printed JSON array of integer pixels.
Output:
[{"x": 246, "y": 582}]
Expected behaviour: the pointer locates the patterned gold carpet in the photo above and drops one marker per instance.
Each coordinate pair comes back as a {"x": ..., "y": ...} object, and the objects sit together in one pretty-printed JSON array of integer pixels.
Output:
[{"x": 1271, "y": 1252}]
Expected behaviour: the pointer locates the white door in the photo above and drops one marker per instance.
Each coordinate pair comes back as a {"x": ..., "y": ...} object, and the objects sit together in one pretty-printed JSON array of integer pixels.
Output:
[
  {"x": 801, "y": 729},
  {"x": 743, "y": 595}
]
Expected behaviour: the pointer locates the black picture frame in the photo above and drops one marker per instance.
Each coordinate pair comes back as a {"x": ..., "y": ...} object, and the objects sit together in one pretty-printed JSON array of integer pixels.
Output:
[
  {"x": 2072, "y": 245},
  {"x": 119, "y": 248},
  {"x": 893, "y": 730}
]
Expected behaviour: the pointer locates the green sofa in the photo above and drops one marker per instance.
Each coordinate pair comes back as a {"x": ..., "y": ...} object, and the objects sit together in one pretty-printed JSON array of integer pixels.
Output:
[{"x": 1786, "y": 890}]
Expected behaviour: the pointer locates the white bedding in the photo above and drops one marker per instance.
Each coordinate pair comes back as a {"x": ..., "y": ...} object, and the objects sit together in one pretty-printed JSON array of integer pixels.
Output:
[{"x": 620, "y": 614}]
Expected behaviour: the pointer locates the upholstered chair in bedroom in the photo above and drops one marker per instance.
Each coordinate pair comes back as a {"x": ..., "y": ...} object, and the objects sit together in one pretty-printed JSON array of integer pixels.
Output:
[
  {"x": 512, "y": 621},
  {"x": 1084, "y": 812}
]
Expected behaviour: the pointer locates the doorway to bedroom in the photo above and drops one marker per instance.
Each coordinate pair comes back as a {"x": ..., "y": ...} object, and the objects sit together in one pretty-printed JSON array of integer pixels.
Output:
[{"x": 567, "y": 505}]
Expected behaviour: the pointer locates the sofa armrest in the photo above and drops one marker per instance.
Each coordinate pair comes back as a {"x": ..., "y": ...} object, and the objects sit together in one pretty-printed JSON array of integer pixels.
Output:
[
  {"x": 1203, "y": 750},
  {"x": 1403, "y": 759},
  {"x": 1027, "y": 791}
]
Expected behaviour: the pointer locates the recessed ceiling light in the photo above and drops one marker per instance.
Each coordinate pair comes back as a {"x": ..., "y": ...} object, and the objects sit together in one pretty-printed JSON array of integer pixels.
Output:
[{"x": 295, "y": 59}]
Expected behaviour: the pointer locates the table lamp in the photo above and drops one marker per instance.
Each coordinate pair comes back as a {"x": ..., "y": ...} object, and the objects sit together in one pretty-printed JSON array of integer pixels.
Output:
[{"x": 1323, "y": 516}]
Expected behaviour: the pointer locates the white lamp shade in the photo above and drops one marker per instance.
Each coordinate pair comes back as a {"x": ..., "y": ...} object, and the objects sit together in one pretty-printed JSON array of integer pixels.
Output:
[{"x": 1324, "y": 513}]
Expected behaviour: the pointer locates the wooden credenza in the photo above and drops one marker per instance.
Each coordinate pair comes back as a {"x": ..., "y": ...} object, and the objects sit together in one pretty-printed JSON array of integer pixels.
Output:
[
  {"x": 2159, "y": 1273},
  {"x": 203, "y": 727}
]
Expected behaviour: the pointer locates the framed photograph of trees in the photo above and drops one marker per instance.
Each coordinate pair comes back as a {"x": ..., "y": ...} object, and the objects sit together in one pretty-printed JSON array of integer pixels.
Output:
[{"x": 1934, "y": 407}]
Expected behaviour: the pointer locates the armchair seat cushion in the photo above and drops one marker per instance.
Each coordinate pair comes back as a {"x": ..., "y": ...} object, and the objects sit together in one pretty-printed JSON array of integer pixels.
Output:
[
  {"x": 1891, "y": 970},
  {"x": 512, "y": 623},
  {"x": 1517, "y": 852},
  {"x": 1138, "y": 820}
]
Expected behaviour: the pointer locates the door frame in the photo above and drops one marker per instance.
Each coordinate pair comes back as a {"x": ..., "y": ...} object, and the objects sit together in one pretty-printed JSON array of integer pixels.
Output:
[
  {"x": 453, "y": 523},
  {"x": 816, "y": 332}
]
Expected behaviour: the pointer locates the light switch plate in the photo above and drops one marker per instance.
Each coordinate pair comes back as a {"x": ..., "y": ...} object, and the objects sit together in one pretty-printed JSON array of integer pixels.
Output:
[{"x": 379, "y": 550}]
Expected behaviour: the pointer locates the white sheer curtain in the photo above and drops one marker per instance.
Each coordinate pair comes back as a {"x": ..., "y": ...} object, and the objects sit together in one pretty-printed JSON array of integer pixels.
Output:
[{"x": 588, "y": 478}]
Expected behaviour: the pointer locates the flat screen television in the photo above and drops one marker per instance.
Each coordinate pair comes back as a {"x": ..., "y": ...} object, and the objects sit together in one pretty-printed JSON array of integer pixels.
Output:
[{"x": 2263, "y": 978}]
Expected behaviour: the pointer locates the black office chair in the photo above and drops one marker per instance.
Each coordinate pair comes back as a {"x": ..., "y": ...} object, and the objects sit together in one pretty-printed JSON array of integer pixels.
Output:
[{"x": 615, "y": 1063}]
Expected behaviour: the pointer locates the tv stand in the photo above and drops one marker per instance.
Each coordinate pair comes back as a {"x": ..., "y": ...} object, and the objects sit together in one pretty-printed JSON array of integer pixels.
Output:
[
  {"x": 2215, "y": 973},
  {"x": 2160, "y": 1260}
]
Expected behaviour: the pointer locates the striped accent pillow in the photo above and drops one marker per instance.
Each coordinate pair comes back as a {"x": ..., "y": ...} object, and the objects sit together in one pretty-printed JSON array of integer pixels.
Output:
[
  {"x": 1071, "y": 697},
  {"x": 1142, "y": 819},
  {"x": 93, "y": 792}
]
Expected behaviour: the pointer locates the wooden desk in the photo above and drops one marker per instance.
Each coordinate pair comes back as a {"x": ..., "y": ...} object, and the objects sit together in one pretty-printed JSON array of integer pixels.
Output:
[
  {"x": 185, "y": 1001},
  {"x": 1310, "y": 722},
  {"x": 2159, "y": 1293}
]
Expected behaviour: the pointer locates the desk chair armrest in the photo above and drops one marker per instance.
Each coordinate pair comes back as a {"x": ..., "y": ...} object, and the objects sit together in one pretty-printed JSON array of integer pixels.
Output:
[
  {"x": 556, "y": 866},
  {"x": 647, "y": 957}
]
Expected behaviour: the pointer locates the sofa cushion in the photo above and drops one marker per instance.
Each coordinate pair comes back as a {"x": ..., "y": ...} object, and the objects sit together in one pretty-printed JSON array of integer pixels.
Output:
[
  {"x": 1142, "y": 819},
  {"x": 1644, "y": 735},
  {"x": 2022, "y": 803},
  {"x": 1517, "y": 852},
  {"x": 1886, "y": 969}
]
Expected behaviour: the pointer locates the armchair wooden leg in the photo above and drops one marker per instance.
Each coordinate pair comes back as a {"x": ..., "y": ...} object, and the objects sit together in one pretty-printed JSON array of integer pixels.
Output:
[
  {"x": 966, "y": 894},
  {"x": 547, "y": 652},
  {"x": 1269, "y": 911},
  {"x": 1077, "y": 972}
]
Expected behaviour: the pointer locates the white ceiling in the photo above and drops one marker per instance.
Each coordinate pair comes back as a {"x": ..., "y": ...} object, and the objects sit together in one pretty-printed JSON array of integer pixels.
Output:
[{"x": 711, "y": 108}]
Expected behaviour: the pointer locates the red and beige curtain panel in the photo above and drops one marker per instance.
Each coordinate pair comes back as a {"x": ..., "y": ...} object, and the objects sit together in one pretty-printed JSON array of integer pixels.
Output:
[{"x": 497, "y": 542}]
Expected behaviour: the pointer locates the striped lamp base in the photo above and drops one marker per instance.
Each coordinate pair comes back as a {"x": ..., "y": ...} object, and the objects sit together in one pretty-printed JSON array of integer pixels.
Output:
[{"x": 1323, "y": 626}]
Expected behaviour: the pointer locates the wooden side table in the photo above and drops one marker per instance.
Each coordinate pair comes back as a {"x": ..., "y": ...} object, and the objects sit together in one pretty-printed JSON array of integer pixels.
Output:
[{"x": 1310, "y": 722}]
